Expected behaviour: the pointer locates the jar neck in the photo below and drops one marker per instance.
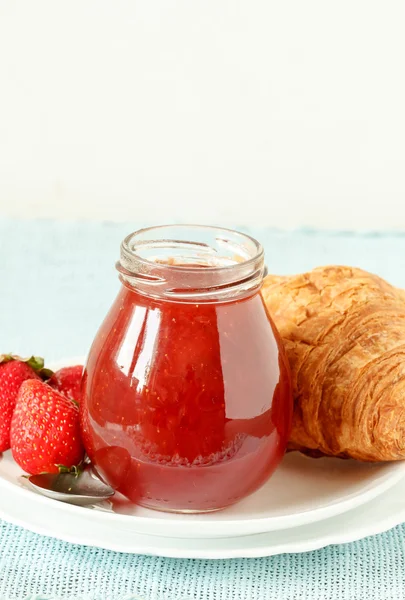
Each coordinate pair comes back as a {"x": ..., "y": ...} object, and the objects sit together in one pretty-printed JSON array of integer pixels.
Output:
[{"x": 191, "y": 263}]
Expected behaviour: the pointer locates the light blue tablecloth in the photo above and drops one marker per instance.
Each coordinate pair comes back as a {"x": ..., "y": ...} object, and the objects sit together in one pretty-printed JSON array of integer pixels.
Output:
[{"x": 57, "y": 282}]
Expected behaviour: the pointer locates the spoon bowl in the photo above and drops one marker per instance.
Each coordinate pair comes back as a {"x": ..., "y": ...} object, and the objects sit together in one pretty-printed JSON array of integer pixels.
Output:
[{"x": 81, "y": 489}]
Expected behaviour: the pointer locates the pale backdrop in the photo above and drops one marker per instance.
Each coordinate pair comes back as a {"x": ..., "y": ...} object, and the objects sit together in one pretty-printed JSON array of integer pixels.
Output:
[{"x": 258, "y": 112}]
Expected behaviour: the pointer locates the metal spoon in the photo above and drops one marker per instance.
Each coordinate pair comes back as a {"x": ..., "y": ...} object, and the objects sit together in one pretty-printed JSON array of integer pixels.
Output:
[{"x": 82, "y": 490}]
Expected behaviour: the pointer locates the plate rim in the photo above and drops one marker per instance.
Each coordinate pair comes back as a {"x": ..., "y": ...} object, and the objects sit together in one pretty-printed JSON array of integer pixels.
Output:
[{"x": 338, "y": 536}]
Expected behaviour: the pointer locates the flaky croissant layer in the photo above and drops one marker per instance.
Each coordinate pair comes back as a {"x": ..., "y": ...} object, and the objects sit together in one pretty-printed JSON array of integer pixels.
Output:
[{"x": 344, "y": 333}]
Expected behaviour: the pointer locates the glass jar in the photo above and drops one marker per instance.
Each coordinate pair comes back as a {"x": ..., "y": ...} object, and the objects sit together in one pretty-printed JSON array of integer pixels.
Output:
[{"x": 187, "y": 402}]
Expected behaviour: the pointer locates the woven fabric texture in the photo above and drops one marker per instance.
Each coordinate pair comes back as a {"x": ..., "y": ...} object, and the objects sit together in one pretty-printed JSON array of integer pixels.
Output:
[{"x": 57, "y": 282}]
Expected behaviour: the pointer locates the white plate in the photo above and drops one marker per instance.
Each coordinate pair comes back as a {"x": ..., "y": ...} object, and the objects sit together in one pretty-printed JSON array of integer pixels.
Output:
[
  {"x": 302, "y": 491},
  {"x": 24, "y": 508}
]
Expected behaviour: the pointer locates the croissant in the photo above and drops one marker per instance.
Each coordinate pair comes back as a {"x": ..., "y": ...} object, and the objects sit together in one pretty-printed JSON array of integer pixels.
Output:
[{"x": 344, "y": 333}]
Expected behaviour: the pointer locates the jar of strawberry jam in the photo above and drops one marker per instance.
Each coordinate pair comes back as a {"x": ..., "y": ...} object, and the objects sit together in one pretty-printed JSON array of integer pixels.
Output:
[{"x": 187, "y": 402}]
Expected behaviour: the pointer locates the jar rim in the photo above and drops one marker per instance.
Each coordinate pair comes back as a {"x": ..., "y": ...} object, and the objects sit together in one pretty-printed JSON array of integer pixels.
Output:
[
  {"x": 231, "y": 261},
  {"x": 125, "y": 246}
]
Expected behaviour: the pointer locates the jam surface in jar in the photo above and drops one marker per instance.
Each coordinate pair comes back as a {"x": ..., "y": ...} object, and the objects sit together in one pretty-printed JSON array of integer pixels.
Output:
[{"x": 187, "y": 405}]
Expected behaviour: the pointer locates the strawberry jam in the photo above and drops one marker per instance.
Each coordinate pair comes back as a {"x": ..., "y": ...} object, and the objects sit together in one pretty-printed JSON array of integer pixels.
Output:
[{"x": 187, "y": 402}]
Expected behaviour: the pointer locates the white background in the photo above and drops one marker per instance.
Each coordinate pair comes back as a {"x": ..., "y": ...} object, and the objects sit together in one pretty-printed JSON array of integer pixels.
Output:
[{"x": 277, "y": 113}]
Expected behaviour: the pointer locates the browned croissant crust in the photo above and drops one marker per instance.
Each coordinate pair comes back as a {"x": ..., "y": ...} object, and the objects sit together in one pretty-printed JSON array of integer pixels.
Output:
[{"x": 344, "y": 332}]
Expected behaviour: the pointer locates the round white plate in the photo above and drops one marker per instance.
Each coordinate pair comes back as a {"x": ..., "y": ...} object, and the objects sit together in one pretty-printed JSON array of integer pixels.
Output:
[
  {"x": 24, "y": 508},
  {"x": 302, "y": 491}
]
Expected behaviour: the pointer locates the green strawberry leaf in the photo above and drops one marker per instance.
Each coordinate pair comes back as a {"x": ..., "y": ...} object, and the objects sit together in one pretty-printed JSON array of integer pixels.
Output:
[
  {"x": 45, "y": 373},
  {"x": 5, "y": 358},
  {"x": 76, "y": 469},
  {"x": 35, "y": 362}
]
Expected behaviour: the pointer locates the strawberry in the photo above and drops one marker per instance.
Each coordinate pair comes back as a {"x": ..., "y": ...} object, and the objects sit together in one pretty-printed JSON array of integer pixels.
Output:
[
  {"x": 13, "y": 371},
  {"x": 68, "y": 381},
  {"x": 45, "y": 432}
]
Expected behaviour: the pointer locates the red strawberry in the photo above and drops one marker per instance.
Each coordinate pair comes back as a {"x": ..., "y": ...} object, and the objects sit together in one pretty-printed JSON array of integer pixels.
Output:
[
  {"x": 45, "y": 432},
  {"x": 68, "y": 381},
  {"x": 13, "y": 371}
]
